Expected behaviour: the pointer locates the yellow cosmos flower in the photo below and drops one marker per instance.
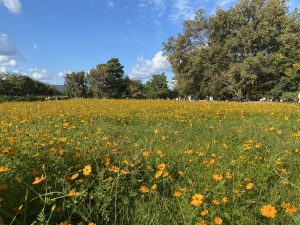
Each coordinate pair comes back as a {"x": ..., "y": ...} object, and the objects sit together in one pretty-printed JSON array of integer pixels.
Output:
[
  {"x": 87, "y": 170},
  {"x": 268, "y": 211},
  {"x": 38, "y": 179},
  {"x": 197, "y": 200}
]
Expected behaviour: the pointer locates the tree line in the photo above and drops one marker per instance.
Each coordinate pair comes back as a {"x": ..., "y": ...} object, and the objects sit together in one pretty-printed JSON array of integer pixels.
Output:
[
  {"x": 246, "y": 52},
  {"x": 108, "y": 80},
  {"x": 14, "y": 86}
]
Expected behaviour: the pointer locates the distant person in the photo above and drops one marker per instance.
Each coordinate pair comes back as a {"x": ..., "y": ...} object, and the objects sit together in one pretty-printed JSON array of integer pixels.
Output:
[{"x": 299, "y": 97}]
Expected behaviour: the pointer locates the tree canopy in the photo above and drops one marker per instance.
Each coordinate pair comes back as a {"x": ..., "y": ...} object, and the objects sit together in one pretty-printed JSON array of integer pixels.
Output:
[
  {"x": 249, "y": 50},
  {"x": 14, "y": 84}
]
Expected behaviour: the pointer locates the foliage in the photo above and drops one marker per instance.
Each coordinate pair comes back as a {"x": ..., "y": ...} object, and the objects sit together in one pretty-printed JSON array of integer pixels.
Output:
[
  {"x": 157, "y": 87},
  {"x": 15, "y": 85},
  {"x": 76, "y": 84},
  {"x": 252, "y": 47},
  {"x": 91, "y": 161}
]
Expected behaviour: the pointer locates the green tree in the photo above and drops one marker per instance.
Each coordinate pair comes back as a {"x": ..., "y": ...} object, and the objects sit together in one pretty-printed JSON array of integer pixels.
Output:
[
  {"x": 75, "y": 83},
  {"x": 107, "y": 80},
  {"x": 14, "y": 84},
  {"x": 249, "y": 48},
  {"x": 157, "y": 86},
  {"x": 136, "y": 89}
]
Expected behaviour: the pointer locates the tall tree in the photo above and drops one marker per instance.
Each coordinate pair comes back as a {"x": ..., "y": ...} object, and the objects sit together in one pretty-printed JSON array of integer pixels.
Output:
[
  {"x": 157, "y": 87},
  {"x": 76, "y": 84},
  {"x": 107, "y": 80},
  {"x": 252, "y": 47},
  {"x": 136, "y": 89}
]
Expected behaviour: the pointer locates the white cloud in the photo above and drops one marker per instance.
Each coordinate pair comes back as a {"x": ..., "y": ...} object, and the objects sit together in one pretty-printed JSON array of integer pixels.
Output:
[
  {"x": 154, "y": 9},
  {"x": 146, "y": 68},
  {"x": 41, "y": 75},
  {"x": 225, "y": 4},
  {"x": 110, "y": 4},
  {"x": 13, "y": 6},
  {"x": 63, "y": 73},
  {"x": 2, "y": 69},
  {"x": 182, "y": 10},
  {"x": 8, "y": 52}
]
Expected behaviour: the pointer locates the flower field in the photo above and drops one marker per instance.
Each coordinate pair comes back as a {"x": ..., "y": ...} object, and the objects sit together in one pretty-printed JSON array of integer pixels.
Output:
[{"x": 149, "y": 162}]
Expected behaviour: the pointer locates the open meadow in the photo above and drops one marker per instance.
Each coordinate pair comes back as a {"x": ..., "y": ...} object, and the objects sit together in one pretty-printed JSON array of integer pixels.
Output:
[{"x": 154, "y": 162}]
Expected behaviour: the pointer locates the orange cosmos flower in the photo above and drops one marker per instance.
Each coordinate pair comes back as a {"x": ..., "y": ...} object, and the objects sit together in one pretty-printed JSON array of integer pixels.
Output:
[
  {"x": 289, "y": 208},
  {"x": 228, "y": 175},
  {"x": 197, "y": 200},
  {"x": 38, "y": 179},
  {"x": 87, "y": 170},
  {"x": 146, "y": 154},
  {"x": 237, "y": 192},
  {"x": 3, "y": 186},
  {"x": 161, "y": 166},
  {"x": 3, "y": 169},
  {"x": 268, "y": 211},
  {"x": 218, "y": 220},
  {"x": 216, "y": 202},
  {"x": 71, "y": 193},
  {"x": 158, "y": 174},
  {"x": 225, "y": 199},
  {"x": 176, "y": 194},
  {"x": 217, "y": 177},
  {"x": 154, "y": 187},
  {"x": 74, "y": 176},
  {"x": 249, "y": 186},
  {"x": 204, "y": 212},
  {"x": 113, "y": 169},
  {"x": 106, "y": 161},
  {"x": 144, "y": 189},
  {"x": 202, "y": 222}
]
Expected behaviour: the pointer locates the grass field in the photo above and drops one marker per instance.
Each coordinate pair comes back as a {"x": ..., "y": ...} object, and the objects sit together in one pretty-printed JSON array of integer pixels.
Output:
[{"x": 149, "y": 162}]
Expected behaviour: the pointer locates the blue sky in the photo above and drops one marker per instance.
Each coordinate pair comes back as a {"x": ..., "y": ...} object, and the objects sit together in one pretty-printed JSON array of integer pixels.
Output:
[{"x": 46, "y": 39}]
